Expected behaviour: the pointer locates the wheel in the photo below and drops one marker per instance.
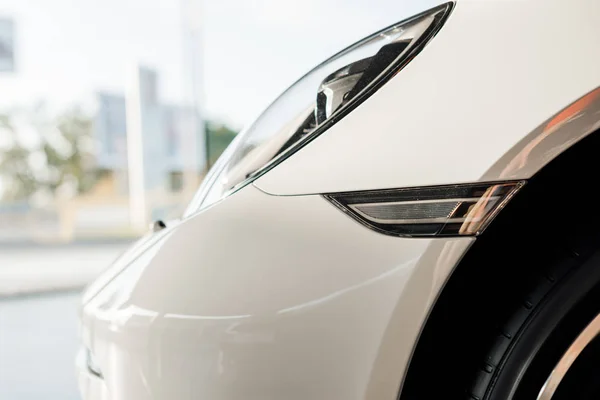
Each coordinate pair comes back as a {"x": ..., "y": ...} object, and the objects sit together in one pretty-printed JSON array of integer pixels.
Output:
[{"x": 547, "y": 348}]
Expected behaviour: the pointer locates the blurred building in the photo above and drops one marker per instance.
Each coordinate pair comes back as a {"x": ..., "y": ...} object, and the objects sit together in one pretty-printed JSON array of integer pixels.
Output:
[
  {"x": 7, "y": 45},
  {"x": 171, "y": 141},
  {"x": 150, "y": 153},
  {"x": 157, "y": 147}
]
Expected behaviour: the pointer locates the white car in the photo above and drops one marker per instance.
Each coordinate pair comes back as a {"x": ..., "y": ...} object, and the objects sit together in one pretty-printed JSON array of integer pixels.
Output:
[{"x": 415, "y": 218}]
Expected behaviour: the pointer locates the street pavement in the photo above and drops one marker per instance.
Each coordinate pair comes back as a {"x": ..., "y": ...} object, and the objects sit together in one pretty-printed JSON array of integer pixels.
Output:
[
  {"x": 39, "y": 296},
  {"x": 31, "y": 268},
  {"x": 38, "y": 343}
]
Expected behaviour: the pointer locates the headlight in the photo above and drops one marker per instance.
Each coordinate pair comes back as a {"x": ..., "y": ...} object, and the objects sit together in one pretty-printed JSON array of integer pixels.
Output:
[{"x": 317, "y": 101}]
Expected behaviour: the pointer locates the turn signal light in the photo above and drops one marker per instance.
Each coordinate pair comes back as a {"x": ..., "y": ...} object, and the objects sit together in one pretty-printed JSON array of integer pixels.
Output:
[{"x": 457, "y": 210}]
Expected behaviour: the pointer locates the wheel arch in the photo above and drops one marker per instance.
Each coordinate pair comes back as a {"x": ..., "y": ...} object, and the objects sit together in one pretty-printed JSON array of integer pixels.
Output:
[
  {"x": 551, "y": 138},
  {"x": 543, "y": 218}
]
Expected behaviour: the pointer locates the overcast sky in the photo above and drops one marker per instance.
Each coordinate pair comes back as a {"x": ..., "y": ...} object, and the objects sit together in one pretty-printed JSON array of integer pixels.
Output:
[{"x": 68, "y": 49}]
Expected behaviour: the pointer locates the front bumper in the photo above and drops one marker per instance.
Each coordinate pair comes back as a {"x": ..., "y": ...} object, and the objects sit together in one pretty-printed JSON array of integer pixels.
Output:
[
  {"x": 91, "y": 386},
  {"x": 265, "y": 297}
]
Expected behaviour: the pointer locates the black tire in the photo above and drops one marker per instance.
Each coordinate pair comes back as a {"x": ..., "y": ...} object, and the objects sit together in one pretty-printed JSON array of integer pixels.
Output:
[{"x": 562, "y": 300}]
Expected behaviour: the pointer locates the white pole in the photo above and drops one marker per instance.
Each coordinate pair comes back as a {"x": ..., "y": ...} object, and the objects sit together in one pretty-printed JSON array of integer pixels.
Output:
[
  {"x": 192, "y": 18},
  {"x": 135, "y": 152}
]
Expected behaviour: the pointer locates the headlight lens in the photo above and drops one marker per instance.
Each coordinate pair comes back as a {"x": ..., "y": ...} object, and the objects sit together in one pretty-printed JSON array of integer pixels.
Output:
[{"x": 316, "y": 101}]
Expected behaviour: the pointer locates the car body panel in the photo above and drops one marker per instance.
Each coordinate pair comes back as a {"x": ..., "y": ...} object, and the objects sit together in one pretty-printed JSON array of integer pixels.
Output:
[
  {"x": 494, "y": 73},
  {"x": 123, "y": 260},
  {"x": 267, "y": 297},
  {"x": 91, "y": 387}
]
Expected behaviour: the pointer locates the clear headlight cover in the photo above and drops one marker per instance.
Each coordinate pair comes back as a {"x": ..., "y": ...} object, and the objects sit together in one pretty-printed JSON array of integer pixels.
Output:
[{"x": 316, "y": 102}]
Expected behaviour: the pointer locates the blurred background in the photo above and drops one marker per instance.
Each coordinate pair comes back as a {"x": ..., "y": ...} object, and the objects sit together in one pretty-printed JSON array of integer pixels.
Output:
[{"x": 111, "y": 113}]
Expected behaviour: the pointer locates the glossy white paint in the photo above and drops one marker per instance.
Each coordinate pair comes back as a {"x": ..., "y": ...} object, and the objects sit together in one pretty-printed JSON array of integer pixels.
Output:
[
  {"x": 91, "y": 387},
  {"x": 285, "y": 297},
  {"x": 496, "y": 71},
  {"x": 266, "y": 297}
]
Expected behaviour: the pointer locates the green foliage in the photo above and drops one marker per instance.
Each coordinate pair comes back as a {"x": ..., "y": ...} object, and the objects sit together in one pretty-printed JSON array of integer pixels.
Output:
[
  {"x": 218, "y": 136},
  {"x": 42, "y": 157},
  {"x": 57, "y": 160}
]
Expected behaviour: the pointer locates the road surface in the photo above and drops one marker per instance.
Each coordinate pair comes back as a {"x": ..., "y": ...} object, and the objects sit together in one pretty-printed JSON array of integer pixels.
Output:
[
  {"x": 38, "y": 342},
  {"x": 31, "y": 268}
]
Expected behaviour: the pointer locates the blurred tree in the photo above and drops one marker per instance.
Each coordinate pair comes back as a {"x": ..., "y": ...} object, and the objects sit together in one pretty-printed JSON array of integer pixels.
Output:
[
  {"x": 45, "y": 158},
  {"x": 218, "y": 137}
]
